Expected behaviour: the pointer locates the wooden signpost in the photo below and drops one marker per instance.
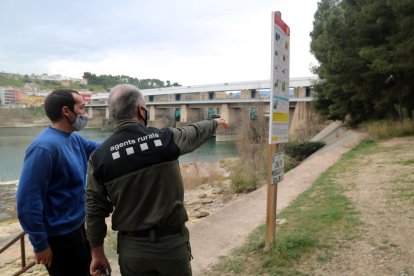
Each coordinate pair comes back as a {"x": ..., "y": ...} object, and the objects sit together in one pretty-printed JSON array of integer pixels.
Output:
[{"x": 278, "y": 118}]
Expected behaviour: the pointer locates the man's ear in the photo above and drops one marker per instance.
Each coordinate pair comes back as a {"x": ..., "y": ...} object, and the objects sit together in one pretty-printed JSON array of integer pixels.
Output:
[
  {"x": 139, "y": 113},
  {"x": 66, "y": 111}
]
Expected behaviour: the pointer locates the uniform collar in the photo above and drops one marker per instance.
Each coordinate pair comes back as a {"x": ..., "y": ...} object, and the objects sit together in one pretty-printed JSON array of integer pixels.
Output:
[{"x": 122, "y": 124}]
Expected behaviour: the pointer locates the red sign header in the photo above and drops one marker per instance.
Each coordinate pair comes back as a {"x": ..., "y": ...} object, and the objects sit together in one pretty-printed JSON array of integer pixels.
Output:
[{"x": 282, "y": 25}]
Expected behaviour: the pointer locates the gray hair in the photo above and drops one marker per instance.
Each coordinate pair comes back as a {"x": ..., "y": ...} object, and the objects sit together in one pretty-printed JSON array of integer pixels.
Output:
[{"x": 123, "y": 100}]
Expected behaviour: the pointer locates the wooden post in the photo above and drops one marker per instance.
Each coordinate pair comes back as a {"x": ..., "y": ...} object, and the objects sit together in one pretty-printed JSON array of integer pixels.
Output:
[
  {"x": 271, "y": 201},
  {"x": 278, "y": 118}
]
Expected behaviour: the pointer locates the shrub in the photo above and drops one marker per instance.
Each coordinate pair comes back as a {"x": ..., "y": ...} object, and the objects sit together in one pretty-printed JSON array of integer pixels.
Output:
[
  {"x": 300, "y": 151},
  {"x": 243, "y": 185},
  {"x": 243, "y": 179},
  {"x": 290, "y": 163}
]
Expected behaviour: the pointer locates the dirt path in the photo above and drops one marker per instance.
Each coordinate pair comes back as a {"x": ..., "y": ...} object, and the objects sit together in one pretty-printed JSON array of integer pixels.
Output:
[{"x": 383, "y": 194}]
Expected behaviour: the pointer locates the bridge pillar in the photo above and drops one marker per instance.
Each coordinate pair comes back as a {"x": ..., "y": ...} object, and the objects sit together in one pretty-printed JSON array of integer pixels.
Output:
[
  {"x": 304, "y": 122},
  {"x": 107, "y": 113},
  {"x": 225, "y": 112},
  {"x": 90, "y": 112},
  {"x": 194, "y": 115},
  {"x": 184, "y": 114},
  {"x": 152, "y": 113}
]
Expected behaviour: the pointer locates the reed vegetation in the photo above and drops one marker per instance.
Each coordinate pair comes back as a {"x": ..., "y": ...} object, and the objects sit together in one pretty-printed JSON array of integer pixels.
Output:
[{"x": 385, "y": 129}]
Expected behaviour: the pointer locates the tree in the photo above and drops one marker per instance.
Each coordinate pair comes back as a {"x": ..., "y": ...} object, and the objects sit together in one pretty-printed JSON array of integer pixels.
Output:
[
  {"x": 108, "y": 81},
  {"x": 91, "y": 78},
  {"x": 26, "y": 79},
  {"x": 359, "y": 45}
]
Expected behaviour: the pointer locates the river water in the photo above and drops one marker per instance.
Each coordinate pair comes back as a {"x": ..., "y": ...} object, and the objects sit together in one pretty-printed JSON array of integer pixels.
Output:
[{"x": 14, "y": 141}]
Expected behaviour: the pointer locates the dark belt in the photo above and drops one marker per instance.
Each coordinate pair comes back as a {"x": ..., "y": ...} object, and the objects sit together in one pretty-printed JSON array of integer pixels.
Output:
[{"x": 157, "y": 232}]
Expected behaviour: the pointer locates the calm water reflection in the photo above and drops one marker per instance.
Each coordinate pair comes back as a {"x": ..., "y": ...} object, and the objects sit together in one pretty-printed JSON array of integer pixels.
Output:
[{"x": 14, "y": 141}]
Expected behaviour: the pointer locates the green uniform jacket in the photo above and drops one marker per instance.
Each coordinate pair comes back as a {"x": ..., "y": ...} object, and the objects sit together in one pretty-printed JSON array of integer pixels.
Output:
[{"x": 135, "y": 175}]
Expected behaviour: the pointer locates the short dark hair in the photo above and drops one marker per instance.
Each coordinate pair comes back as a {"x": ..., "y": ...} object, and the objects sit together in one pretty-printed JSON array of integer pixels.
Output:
[{"x": 56, "y": 100}]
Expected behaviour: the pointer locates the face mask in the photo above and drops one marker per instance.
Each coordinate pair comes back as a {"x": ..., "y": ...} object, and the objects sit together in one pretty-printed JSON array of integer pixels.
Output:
[{"x": 80, "y": 122}]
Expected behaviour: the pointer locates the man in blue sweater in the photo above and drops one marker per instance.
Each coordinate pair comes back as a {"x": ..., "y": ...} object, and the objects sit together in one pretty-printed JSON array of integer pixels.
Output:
[{"x": 51, "y": 192}]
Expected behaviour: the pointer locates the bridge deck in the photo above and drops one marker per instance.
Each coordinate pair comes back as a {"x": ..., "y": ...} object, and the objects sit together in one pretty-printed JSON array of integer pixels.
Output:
[{"x": 220, "y": 87}]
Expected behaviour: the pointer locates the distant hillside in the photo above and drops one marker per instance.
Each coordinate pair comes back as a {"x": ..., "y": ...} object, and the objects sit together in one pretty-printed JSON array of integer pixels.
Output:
[{"x": 95, "y": 83}]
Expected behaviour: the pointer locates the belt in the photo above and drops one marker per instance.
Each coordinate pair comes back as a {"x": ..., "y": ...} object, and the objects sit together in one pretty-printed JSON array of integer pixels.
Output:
[{"x": 157, "y": 232}]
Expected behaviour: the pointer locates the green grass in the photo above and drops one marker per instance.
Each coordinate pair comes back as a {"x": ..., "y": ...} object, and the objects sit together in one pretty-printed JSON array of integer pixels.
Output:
[
  {"x": 317, "y": 222},
  {"x": 50, "y": 85},
  {"x": 407, "y": 162}
]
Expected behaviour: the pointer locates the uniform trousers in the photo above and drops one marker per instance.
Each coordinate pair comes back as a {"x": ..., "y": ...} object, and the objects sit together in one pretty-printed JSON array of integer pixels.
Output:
[
  {"x": 71, "y": 254},
  {"x": 156, "y": 256}
]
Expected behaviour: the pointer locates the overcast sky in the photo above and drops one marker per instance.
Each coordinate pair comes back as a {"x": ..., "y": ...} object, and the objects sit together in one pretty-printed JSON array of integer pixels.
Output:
[{"x": 191, "y": 42}]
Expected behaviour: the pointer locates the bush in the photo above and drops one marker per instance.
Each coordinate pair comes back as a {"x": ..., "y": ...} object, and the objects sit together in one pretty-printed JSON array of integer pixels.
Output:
[
  {"x": 290, "y": 163},
  {"x": 243, "y": 180},
  {"x": 300, "y": 151},
  {"x": 243, "y": 185}
]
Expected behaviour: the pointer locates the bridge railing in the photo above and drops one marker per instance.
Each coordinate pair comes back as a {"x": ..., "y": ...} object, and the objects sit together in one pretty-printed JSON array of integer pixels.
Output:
[
  {"x": 24, "y": 266},
  {"x": 208, "y": 101}
]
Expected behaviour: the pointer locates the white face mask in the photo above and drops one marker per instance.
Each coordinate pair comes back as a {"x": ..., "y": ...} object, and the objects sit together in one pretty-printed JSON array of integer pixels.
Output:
[{"x": 80, "y": 122}]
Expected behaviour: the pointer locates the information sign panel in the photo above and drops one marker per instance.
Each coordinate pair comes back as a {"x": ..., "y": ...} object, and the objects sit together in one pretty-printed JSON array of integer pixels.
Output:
[
  {"x": 279, "y": 104},
  {"x": 278, "y": 167}
]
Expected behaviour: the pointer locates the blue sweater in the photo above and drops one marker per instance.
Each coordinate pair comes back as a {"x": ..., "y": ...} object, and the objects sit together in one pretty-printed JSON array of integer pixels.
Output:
[{"x": 51, "y": 192}]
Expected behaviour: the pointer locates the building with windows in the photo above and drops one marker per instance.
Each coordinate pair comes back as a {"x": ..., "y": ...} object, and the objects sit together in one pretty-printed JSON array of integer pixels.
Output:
[
  {"x": 33, "y": 99},
  {"x": 9, "y": 96}
]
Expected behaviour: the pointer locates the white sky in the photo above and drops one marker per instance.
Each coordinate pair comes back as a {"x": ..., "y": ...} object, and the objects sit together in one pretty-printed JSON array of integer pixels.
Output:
[{"x": 191, "y": 42}]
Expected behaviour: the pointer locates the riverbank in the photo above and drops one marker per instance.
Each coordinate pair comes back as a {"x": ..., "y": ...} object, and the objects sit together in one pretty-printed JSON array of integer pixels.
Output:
[
  {"x": 23, "y": 117},
  {"x": 207, "y": 190},
  {"x": 207, "y": 187},
  {"x": 16, "y": 123},
  {"x": 19, "y": 124}
]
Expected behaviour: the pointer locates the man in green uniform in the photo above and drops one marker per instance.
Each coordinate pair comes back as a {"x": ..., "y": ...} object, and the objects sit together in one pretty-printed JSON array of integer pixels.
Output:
[{"x": 135, "y": 175}]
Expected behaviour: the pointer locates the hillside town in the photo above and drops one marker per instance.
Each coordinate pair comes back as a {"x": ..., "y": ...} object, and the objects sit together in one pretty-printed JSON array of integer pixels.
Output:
[{"x": 31, "y": 93}]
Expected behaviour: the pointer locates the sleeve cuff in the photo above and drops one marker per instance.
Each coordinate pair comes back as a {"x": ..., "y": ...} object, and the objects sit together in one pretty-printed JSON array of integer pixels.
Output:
[{"x": 40, "y": 246}]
